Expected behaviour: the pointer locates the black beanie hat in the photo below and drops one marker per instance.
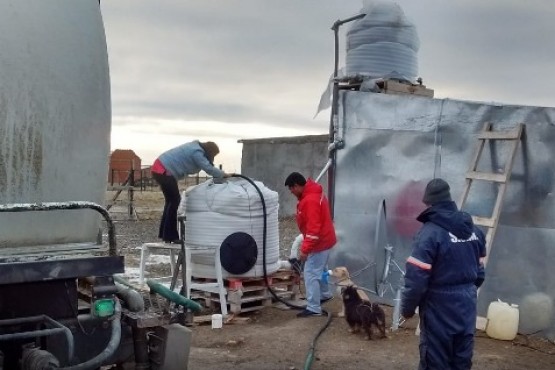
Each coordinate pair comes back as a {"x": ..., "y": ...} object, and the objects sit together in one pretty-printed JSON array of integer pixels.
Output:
[{"x": 437, "y": 190}]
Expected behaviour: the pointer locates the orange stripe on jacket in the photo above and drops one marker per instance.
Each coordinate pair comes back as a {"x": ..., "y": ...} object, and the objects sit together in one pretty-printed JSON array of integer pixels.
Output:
[{"x": 418, "y": 263}]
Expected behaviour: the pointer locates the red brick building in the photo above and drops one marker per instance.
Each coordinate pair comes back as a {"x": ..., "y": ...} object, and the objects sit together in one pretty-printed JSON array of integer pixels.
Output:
[{"x": 122, "y": 161}]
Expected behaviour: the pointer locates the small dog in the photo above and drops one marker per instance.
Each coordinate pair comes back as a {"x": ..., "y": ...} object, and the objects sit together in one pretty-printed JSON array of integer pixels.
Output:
[
  {"x": 341, "y": 274},
  {"x": 362, "y": 314}
]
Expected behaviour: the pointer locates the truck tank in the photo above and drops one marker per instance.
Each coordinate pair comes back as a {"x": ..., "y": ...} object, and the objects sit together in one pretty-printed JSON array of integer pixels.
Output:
[
  {"x": 54, "y": 118},
  {"x": 60, "y": 304}
]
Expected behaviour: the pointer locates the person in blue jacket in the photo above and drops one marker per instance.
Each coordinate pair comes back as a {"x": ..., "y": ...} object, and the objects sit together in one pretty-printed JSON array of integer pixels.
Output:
[
  {"x": 443, "y": 273},
  {"x": 174, "y": 165}
]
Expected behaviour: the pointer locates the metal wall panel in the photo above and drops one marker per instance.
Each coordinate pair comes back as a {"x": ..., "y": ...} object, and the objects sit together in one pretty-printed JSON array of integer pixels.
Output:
[{"x": 395, "y": 144}]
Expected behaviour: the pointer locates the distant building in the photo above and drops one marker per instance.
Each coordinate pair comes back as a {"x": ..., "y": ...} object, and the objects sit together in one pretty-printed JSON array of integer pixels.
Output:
[{"x": 122, "y": 161}]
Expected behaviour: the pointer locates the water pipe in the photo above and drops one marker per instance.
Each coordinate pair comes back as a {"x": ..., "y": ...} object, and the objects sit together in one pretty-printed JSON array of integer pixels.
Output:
[
  {"x": 113, "y": 344},
  {"x": 173, "y": 296},
  {"x": 334, "y": 105}
]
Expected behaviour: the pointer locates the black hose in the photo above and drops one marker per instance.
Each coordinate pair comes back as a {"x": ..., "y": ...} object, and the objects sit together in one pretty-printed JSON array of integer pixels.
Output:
[
  {"x": 264, "y": 236},
  {"x": 310, "y": 356},
  {"x": 312, "y": 349},
  {"x": 111, "y": 347}
]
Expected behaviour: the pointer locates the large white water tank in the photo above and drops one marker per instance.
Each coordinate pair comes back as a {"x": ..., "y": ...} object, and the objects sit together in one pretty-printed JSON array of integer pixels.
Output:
[
  {"x": 215, "y": 211},
  {"x": 383, "y": 43}
]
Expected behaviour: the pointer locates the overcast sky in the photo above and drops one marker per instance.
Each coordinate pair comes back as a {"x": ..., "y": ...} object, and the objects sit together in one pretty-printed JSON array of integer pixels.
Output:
[{"x": 225, "y": 70}]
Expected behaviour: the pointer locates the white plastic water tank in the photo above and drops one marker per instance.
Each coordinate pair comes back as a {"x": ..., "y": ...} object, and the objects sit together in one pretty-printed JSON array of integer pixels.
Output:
[
  {"x": 383, "y": 43},
  {"x": 215, "y": 211}
]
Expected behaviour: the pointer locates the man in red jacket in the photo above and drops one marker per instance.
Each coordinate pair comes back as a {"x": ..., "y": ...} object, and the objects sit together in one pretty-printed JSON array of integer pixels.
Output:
[{"x": 315, "y": 223}]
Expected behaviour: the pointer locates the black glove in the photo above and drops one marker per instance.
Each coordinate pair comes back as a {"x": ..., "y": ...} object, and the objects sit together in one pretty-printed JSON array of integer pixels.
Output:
[{"x": 297, "y": 265}]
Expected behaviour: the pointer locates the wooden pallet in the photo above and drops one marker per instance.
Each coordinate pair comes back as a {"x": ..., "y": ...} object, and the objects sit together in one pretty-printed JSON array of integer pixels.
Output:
[
  {"x": 400, "y": 88},
  {"x": 280, "y": 277},
  {"x": 252, "y": 294}
]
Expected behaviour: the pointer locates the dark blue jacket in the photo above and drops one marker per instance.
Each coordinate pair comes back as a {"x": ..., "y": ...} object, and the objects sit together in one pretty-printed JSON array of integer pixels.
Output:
[{"x": 447, "y": 253}]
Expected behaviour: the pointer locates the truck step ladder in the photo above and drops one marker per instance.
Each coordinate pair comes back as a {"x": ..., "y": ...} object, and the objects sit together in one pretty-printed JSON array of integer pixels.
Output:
[{"x": 513, "y": 136}]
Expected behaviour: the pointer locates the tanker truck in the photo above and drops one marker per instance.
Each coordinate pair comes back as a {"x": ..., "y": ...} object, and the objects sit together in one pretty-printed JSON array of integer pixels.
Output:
[{"x": 60, "y": 306}]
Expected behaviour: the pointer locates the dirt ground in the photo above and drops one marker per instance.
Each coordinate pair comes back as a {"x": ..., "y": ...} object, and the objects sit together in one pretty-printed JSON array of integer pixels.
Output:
[
  {"x": 273, "y": 338},
  {"x": 276, "y": 339}
]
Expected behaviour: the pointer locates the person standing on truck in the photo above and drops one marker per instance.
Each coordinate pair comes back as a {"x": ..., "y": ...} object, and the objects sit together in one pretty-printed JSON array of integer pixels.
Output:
[
  {"x": 173, "y": 165},
  {"x": 315, "y": 223},
  {"x": 443, "y": 273}
]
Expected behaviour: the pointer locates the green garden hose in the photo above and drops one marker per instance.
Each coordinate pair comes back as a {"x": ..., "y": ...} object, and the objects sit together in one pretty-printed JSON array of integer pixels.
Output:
[{"x": 173, "y": 296}]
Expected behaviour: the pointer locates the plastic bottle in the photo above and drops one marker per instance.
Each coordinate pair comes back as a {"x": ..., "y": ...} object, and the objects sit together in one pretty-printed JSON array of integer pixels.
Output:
[
  {"x": 325, "y": 276},
  {"x": 502, "y": 320},
  {"x": 217, "y": 321}
]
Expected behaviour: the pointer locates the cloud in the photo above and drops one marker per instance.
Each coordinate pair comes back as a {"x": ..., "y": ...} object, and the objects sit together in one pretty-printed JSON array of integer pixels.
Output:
[
  {"x": 265, "y": 63},
  {"x": 494, "y": 50},
  {"x": 213, "y": 60}
]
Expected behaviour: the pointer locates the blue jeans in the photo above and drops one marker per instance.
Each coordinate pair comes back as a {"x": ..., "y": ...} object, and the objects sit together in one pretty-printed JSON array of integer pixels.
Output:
[{"x": 315, "y": 288}]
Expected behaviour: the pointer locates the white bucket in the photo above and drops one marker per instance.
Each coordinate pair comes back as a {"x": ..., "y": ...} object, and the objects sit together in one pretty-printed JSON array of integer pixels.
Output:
[
  {"x": 502, "y": 320},
  {"x": 217, "y": 321}
]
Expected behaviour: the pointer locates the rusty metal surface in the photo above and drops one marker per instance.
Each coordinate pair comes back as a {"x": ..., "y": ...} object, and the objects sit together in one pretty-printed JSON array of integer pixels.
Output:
[
  {"x": 26, "y": 272},
  {"x": 395, "y": 144},
  {"x": 144, "y": 320}
]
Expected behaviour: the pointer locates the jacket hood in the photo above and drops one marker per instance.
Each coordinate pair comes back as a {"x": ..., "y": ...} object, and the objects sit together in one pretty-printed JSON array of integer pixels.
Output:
[
  {"x": 311, "y": 187},
  {"x": 446, "y": 215},
  {"x": 211, "y": 150}
]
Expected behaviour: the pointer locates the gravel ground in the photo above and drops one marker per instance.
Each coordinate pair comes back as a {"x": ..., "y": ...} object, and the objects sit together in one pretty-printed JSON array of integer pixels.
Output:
[{"x": 131, "y": 234}]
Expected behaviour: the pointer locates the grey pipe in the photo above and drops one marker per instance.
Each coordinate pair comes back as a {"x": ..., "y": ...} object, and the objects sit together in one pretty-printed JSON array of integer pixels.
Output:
[
  {"x": 326, "y": 167},
  {"x": 132, "y": 298},
  {"x": 396, "y": 310},
  {"x": 333, "y": 114},
  {"x": 59, "y": 328},
  {"x": 113, "y": 344},
  {"x": 51, "y": 206}
]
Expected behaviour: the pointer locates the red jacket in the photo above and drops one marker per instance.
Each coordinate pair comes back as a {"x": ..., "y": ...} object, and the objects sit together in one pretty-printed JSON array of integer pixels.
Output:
[{"x": 314, "y": 219}]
